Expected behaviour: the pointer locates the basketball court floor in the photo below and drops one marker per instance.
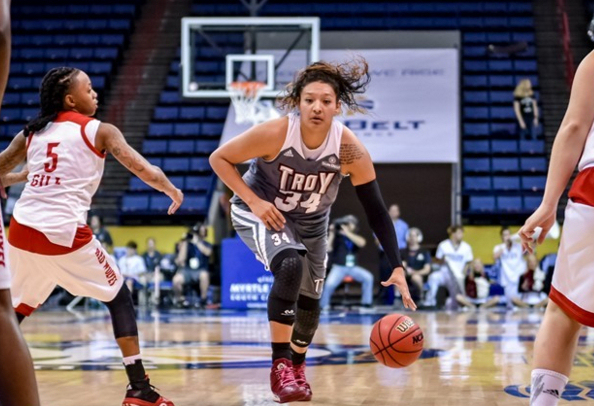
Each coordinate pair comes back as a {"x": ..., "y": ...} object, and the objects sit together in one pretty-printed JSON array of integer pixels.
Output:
[{"x": 216, "y": 358}]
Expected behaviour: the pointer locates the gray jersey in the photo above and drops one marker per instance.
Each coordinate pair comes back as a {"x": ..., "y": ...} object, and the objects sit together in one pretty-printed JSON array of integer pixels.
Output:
[{"x": 301, "y": 183}]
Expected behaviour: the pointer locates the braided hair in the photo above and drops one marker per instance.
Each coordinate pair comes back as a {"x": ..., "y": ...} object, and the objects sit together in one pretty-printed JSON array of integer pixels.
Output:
[
  {"x": 347, "y": 79},
  {"x": 54, "y": 86}
]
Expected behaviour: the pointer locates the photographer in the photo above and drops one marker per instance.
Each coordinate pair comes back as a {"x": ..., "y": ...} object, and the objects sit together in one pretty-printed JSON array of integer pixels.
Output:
[
  {"x": 193, "y": 254},
  {"x": 343, "y": 244}
]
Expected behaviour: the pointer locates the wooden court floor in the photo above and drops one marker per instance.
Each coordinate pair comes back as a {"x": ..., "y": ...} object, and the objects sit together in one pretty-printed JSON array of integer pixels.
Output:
[{"x": 222, "y": 358}]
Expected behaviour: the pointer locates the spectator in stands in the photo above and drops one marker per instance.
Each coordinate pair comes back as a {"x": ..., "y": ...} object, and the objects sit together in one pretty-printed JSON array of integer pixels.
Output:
[
  {"x": 526, "y": 109},
  {"x": 454, "y": 255},
  {"x": 193, "y": 266},
  {"x": 509, "y": 257},
  {"x": 477, "y": 288},
  {"x": 343, "y": 244},
  {"x": 386, "y": 294},
  {"x": 532, "y": 286},
  {"x": 152, "y": 261},
  {"x": 133, "y": 269},
  {"x": 101, "y": 232},
  {"x": 417, "y": 263}
]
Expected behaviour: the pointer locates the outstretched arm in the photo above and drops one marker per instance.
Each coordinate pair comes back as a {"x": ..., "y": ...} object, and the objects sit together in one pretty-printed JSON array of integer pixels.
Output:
[
  {"x": 356, "y": 162},
  {"x": 111, "y": 139},
  {"x": 13, "y": 155}
]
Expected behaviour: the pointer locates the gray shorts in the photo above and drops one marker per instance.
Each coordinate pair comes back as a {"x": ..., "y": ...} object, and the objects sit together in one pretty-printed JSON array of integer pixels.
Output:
[{"x": 307, "y": 237}]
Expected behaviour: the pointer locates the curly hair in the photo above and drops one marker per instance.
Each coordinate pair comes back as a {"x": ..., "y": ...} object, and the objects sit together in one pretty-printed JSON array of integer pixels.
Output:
[
  {"x": 346, "y": 78},
  {"x": 54, "y": 86}
]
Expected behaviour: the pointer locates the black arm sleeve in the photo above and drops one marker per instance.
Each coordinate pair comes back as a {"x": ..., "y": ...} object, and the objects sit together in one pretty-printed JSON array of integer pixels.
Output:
[{"x": 377, "y": 215}]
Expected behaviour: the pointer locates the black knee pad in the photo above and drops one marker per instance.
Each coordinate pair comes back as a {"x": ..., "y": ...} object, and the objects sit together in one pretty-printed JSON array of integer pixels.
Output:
[
  {"x": 287, "y": 268},
  {"x": 306, "y": 321},
  {"x": 123, "y": 316}
]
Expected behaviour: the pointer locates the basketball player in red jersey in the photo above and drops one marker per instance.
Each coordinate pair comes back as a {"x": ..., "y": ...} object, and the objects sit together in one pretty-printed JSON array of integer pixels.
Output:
[
  {"x": 17, "y": 379},
  {"x": 50, "y": 243},
  {"x": 571, "y": 304}
]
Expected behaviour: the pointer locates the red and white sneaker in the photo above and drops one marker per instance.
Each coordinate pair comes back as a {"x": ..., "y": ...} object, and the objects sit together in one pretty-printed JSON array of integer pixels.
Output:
[
  {"x": 299, "y": 372},
  {"x": 143, "y": 394},
  {"x": 282, "y": 382}
]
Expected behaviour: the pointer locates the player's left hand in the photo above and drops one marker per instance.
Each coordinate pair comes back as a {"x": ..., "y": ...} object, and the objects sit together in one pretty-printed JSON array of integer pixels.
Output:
[{"x": 398, "y": 279}]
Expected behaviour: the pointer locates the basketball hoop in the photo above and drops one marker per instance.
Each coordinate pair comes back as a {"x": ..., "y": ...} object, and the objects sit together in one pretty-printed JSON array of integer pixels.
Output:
[{"x": 245, "y": 97}]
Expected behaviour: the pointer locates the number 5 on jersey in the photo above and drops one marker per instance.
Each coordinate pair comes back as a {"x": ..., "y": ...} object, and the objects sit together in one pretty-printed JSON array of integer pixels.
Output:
[
  {"x": 51, "y": 166},
  {"x": 40, "y": 180}
]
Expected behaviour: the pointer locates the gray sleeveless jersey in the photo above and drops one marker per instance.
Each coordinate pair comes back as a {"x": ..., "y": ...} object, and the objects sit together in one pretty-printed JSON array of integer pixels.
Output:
[{"x": 301, "y": 188}]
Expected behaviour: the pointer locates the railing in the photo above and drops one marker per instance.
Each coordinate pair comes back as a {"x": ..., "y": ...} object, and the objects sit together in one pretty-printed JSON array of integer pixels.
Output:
[{"x": 566, "y": 38}]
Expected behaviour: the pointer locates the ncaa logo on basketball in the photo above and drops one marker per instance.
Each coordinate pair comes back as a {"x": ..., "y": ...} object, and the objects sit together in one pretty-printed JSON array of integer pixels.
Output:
[{"x": 418, "y": 338}]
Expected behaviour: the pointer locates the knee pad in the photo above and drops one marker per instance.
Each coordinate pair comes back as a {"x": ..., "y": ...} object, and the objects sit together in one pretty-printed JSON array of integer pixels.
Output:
[
  {"x": 123, "y": 316},
  {"x": 287, "y": 270},
  {"x": 307, "y": 320}
]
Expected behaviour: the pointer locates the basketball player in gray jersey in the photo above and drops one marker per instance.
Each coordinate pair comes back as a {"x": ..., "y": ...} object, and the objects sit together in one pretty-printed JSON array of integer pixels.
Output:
[{"x": 281, "y": 206}]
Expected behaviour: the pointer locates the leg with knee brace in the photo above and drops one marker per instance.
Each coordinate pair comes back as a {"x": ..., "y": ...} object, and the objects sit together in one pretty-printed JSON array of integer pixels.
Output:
[
  {"x": 287, "y": 270},
  {"x": 123, "y": 317},
  {"x": 307, "y": 320}
]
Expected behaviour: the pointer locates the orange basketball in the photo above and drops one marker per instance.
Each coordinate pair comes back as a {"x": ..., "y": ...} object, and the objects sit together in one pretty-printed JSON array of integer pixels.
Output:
[{"x": 396, "y": 341}]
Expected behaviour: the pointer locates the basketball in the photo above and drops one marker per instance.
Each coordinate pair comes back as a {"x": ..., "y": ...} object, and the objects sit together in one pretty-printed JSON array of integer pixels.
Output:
[{"x": 396, "y": 341}]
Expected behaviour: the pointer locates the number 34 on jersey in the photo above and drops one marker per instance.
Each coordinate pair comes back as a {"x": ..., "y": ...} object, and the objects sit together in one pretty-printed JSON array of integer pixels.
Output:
[{"x": 294, "y": 185}]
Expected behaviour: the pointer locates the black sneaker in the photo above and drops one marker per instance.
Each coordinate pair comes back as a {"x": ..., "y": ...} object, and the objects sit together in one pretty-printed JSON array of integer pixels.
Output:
[{"x": 142, "y": 393}]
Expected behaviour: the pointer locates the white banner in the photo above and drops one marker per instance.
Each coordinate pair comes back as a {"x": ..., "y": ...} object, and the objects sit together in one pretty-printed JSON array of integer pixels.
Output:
[{"x": 412, "y": 103}]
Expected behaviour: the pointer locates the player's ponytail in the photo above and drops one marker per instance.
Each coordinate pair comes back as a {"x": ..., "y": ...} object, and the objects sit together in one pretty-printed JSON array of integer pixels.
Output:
[
  {"x": 54, "y": 86},
  {"x": 346, "y": 78}
]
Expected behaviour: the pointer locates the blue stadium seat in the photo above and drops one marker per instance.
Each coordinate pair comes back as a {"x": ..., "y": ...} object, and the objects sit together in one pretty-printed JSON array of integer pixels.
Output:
[
  {"x": 186, "y": 129},
  {"x": 476, "y": 147},
  {"x": 504, "y": 146},
  {"x": 194, "y": 204},
  {"x": 181, "y": 147},
  {"x": 57, "y": 53},
  {"x": 88, "y": 39},
  {"x": 173, "y": 82},
  {"x": 532, "y": 147},
  {"x": 32, "y": 53},
  {"x": 29, "y": 114},
  {"x": 112, "y": 39},
  {"x": 206, "y": 147},
  {"x": 216, "y": 113},
  {"x": 501, "y": 80},
  {"x": 523, "y": 37},
  {"x": 192, "y": 113},
  {"x": 504, "y": 183},
  {"x": 212, "y": 129},
  {"x": 505, "y": 164},
  {"x": 120, "y": 25},
  {"x": 524, "y": 22},
  {"x": 476, "y": 113},
  {"x": 471, "y": 22},
  {"x": 531, "y": 203},
  {"x": 496, "y": 7},
  {"x": 155, "y": 161},
  {"x": 475, "y": 37},
  {"x": 533, "y": 164},
  {"x": 501, "y": 97},
  {"x": 100, "y": 67},
  {"x": 160, "y": 203},
  {"x": 137, "y": 185},
  {"x": 476, "y": 97},
  {"x": 135, "y": 203},
  {"x": 11, "y": 114},
  {"x": 474, "y": 51},
  {"x": 477, "y": 165},
  {"x": 200, "y": 165},
  {"x": 34, "y": 68},
  {"x": 525, "y": 66},
  {"x": 509, "y": 203},
  {"x": 170, "y": 98},
  {"x": 475, "y": 66},
  {"x": 176, "y": 164},
  {"x": 11, "y": 99},
  {"x": 166, "y": 113},
  {"x": 498, "y": 37},
  {"x": 198, "y": 183},
  {"x": 520, "y": 7},
  {"x": 482, "y": 203},
  {"x": 496, "y": 22},
  {"x": 106, "y": 53},
  {"x": 160, "y": 129},
  {"x": 208, "y": 67},
  {"x": 500, "y": 66},
  {"x": 503, "y": 113},
  {"x": 534, "y": 183},
  {"x": 178, "y": 181},
  {"x": 154, "y": 147},
  {"x": 475, "y": 80},
  {"x": 503, "y": 128},
  {"x": 476, "y": 129},
  {"x": 477, "y": 183}
]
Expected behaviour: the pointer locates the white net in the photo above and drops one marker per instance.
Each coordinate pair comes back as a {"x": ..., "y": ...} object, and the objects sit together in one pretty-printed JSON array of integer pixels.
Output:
[{"x": 246, "y": 101}]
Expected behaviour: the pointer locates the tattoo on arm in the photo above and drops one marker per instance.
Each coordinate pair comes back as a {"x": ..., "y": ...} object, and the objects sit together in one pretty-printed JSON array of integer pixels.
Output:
[
  {"x": 130, "y": 159},
  {"x": 350, "y": 153}
]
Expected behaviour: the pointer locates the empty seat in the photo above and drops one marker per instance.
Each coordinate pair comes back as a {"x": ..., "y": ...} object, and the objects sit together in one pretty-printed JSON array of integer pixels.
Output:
[
  {"x": 477, "y": 183},
  {"x": 476, "y": 113},
  {"x": 29, "y": 114},
  {"x": 206, "y": 147},
  {"x": 506, "y": 183},
  {"x": 525, "y": 66},
  {"x": 497, "y": 96},
  {"x": 198, "y": 183},
  {"x": 504, "y": 146},
  {"x": 532, "y": 147},
  {"x": 475, "y": 80},
  {"x": 170, "y": 98},
  {"x": 186, "y": 129},
  {"x": 194, "y": 204},
  {"x": 106, "y": 53},
  {"x": 135, "y": 203},
  {"x": 155, "y": 161},
  {"x": 509, "y": 203},
  {"x": 200, "y": 165},
  {"x": 477, "y": 165},
  {"x": 181, "y": 147},
  {"x": 503, "y": 113},
  {"x": 475, "y": 37},
  {"x": 505, "y": 164},
  {"x": 154, "y": 146},
  {"x": 160, "y": 129},
  {"x": 475, "y": 66},
  {"x": 212, "y": 129},
  {"x": 531, "y": 203},
  {"x": 137, "y": 185},
  {"x": 10, "y": 114},
  {"x": 501, "y": 80},
  {"x": 176, "y": 164},
  {"x": 476, "y": 97},
  {"x": 160, "y": 203},
  {"x": 178, "y": 181},
  {"x": 503, "y": 128},
  {"x": 192, "y": 113},
  {"x": 476, "y": 147},
  {"x": 166, "y": 113},
  {"x": 216, "y": 113},
  {"x": 499, "y": 66},
  {"x": 533, "y": 164},
  {"x": 482, "y": 203},
  {"x": 476, "y": 129},
  {"x": 534, "y": 183}
]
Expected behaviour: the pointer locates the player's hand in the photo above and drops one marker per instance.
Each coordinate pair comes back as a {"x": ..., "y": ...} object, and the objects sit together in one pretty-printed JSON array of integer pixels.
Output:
[
  {"x": 269, "y": 214},
  {"x": 397, "y": 278},
  {"x": 543, "y": 217},
  {"x": 178, "y": 197}
]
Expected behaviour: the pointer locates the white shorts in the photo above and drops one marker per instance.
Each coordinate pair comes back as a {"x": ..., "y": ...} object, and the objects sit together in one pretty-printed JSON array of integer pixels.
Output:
[
  {"x": 573, "y": 280},
  {"x": 89, "y": 271},
  {"x": 4, "y": 265}
]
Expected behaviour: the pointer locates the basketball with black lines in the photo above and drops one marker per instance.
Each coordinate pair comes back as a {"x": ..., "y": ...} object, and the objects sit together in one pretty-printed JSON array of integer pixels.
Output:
[{"x": 396, "y": 341}]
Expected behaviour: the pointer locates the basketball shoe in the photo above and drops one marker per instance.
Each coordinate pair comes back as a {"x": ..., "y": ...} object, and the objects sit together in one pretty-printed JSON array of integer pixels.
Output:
[
  {"x": 282, "y": 382},
  {"x": 299, "y": 371},
  {"x": 142, "y": 393}
]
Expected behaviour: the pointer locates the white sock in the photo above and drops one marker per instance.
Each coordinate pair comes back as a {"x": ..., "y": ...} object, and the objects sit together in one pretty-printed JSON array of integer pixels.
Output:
[
  {"x": 132, "y": 359},
  {"x": 547, "y": 387}
]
